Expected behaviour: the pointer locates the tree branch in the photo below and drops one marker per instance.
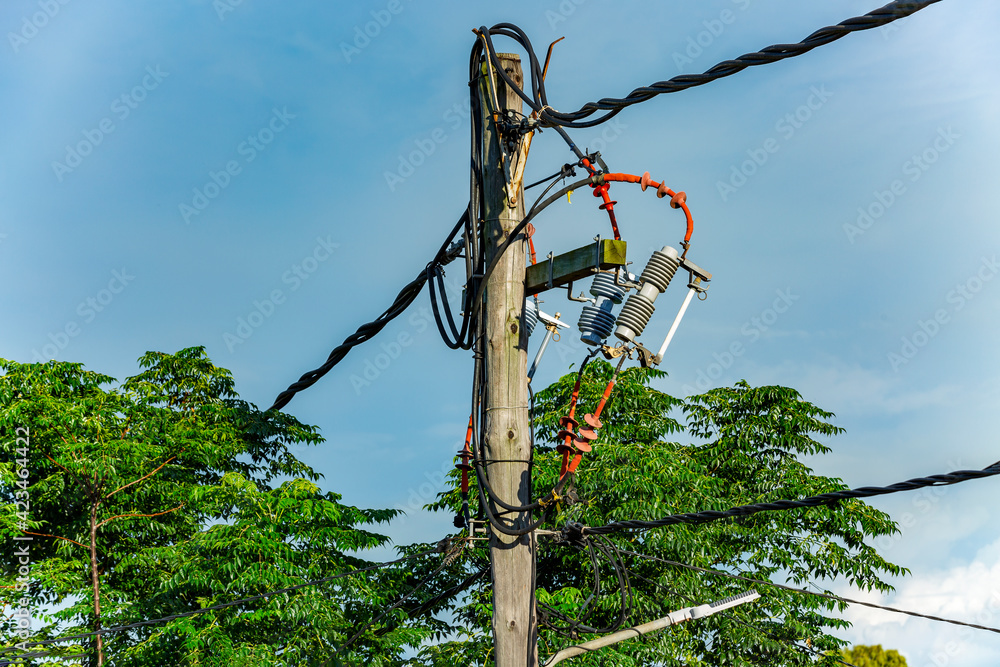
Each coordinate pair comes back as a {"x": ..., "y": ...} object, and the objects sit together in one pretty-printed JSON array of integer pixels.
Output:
[
  {"x": 124, "y": 516},
  {"x": 55, "y": 537},
  {"x": 150, "y": 474},
  {"x": 69, "y": 472}
]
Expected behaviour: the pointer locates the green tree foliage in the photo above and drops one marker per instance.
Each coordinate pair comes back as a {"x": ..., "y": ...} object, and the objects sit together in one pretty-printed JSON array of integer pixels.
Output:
[
  {"x": 746, "y": 446},
  {"x": 165, "y": 494},
  {"x": 873, "y": 656}
]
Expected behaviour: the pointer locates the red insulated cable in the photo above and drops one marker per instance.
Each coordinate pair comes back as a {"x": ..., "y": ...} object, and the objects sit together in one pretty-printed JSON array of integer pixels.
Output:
[
  {"x": 597, "y": 415},
  {"x": 677, "y": 199},
  {"x": 529, "y": 231},
  {"x": 572, "y": 412},
  {"x": 604, "y": 398},
  {"x": 596, "y": 421},
  {"x": 466, "y": 454},
  {"x": 609, "y": 206},
  {"x": 602, "y": 192}
]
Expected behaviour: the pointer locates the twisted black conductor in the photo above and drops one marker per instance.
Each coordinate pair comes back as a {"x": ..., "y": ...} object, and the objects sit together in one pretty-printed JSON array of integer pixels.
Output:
[
  {"x": 573, "y": 530},
  {"x": 769, "y": 54}
]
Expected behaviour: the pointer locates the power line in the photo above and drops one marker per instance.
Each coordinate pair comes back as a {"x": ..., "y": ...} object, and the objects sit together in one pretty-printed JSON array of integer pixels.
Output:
[
  {"x": 196, "y": 612},
  {"x": 366, "y": 332},
  {"x": 574, "y": 626},
  {"x": 574, "y": 530},
  {"x": 828, "y": 596},
  {"x": 445, "y": 562},
  {"x": 769, "y": 54},
  {"x": 734, "y": 617}
]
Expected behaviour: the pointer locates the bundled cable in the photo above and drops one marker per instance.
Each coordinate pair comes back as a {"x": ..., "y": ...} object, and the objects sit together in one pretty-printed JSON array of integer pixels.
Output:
[
  {"x": 538, "y": 101},
  {"x": 598, "y": 550},
  {"x": 576, "y": 530},
  {"x": 366, "y": 332}
]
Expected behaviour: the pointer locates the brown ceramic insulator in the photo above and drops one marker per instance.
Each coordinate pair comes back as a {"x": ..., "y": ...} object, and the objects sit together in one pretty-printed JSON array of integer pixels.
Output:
[
  {"x": 568, "y": 422},
  {"x": 563, "y": 434},
  {"x": 645, "y": 181}
]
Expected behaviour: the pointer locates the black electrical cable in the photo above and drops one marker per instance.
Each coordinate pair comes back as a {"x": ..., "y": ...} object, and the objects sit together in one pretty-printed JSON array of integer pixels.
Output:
[
  {"x": 550, "y": 117},
  {"x": 874, "y": 19},
  {"x": 477, "y": 280},
  {"x": 366, "y": 332},
  {"x": 828, "y": 596},
  {"x": 789, "y": 642},
  {"x": 551, "y": 185},
  {"x": 480, "y": 460},
  {"x": 735, "y": 617},
  {"x": 515, "y": 233},
  {"x": 781, "y": 505},
  {"x": 534, "y": 68},
  {"x": 566, "y": 170},
  {"x": 576, "y": 625},
  {"x": 487, "y": 496},
  {"x": 423, "y": 582},
  {"x": 476, "y": 276},
  {"x": 458, "y": 339}
]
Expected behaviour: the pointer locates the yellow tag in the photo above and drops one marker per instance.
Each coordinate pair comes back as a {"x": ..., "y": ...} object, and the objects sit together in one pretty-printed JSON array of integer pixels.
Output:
[{"x": 568, "y": 197}]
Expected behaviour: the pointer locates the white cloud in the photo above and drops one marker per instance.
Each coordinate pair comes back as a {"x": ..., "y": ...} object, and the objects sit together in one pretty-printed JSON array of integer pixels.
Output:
[
  {"x": 849, "y": 388},
  {"x": 968, "y": 591}
]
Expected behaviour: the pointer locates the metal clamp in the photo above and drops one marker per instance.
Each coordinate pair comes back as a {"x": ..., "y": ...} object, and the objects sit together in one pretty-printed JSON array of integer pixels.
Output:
[
  {"x": 581, "y": 298},
  {"x": 617, "y": 351},
  {"x": 630, "y": 280},
  {"x": 646, "y": 358},
  {"x": 477, "y": 527}
]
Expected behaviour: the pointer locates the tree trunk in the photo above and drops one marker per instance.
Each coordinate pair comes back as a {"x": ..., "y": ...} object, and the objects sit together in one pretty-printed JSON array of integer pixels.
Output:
[{"x": 95, "y": 580}]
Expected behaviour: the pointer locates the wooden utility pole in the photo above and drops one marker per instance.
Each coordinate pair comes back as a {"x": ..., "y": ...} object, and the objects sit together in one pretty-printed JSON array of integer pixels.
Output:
[{"x": 508, "y": 435}]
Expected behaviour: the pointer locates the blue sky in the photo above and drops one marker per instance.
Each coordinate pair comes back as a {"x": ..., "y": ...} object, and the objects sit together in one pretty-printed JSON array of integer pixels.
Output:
[{"x": 170, "y": 169}]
